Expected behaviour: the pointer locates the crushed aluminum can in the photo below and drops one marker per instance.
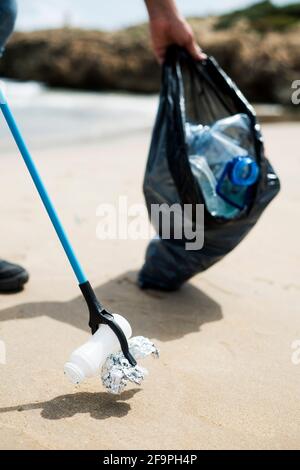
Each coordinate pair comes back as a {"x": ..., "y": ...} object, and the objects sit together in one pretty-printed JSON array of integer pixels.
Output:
[{"x": 117, "y": 371}]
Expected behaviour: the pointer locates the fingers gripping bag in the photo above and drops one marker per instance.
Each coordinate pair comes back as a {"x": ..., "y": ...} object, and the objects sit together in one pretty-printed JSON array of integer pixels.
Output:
[{"x": 206, "y": 151}]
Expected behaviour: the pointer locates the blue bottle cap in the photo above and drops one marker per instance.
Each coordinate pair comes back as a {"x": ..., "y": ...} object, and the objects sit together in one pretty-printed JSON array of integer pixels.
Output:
[{"x": 244, "y": 171}]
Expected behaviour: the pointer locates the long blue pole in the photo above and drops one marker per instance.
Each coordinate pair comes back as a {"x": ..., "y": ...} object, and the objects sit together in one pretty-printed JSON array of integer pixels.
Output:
[{"x": 81, "y": 277}]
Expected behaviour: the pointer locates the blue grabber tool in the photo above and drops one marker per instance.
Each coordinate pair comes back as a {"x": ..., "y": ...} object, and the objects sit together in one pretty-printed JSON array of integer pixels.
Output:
[{"x": 97, "y": 313}]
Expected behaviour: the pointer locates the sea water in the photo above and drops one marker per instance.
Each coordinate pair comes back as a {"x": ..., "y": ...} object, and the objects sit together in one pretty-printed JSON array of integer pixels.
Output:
[{"x": 51, "y": 118}]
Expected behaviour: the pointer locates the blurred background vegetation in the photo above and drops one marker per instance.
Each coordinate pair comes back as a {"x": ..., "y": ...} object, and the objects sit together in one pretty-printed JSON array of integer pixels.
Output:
[{"x": 263, "y": 16}]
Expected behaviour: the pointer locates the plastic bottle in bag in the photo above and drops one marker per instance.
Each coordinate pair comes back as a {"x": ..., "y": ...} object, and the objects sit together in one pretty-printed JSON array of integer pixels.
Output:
[
  {"x": 225, "y": 148},
  {"x": 208, "y": 184},
  {"x": 238, "y": 129}
]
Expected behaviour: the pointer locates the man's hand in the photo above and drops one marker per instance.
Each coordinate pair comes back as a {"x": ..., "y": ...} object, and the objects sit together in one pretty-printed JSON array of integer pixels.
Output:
[{"x": 168, "y": 27}]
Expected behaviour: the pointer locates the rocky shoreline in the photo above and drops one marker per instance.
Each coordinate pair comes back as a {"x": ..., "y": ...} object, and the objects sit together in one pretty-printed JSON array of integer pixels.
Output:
[{"x": 263, "y": 65}]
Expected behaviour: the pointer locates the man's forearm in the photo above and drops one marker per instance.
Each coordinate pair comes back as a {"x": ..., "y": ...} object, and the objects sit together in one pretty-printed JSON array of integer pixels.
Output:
[{"x": 161, "y": 8}]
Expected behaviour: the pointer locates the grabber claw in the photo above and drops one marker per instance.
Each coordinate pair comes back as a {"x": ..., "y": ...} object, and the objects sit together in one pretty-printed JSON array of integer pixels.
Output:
[{"x": 98, "y": 316}]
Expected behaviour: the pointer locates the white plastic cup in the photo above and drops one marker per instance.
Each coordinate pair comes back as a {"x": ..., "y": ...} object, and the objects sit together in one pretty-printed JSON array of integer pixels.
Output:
[{"x": 86, "y": 361}]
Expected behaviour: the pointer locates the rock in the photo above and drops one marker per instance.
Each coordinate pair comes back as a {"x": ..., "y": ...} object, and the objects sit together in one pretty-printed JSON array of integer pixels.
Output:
[
  {"x": 263, "y": 65},
  {"x": 83, "y": 59}
]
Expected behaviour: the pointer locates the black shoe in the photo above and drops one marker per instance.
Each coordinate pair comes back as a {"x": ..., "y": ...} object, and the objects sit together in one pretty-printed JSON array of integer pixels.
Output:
[{"x": 12, "y": 277}]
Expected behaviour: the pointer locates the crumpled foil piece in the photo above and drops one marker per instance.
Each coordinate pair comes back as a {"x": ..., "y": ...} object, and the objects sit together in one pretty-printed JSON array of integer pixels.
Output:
[{"x": 117, "y": 371}]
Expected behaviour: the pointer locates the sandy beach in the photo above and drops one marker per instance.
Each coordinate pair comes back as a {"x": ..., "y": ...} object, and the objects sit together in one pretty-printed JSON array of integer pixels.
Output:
[{"x": 225, "y": 379}]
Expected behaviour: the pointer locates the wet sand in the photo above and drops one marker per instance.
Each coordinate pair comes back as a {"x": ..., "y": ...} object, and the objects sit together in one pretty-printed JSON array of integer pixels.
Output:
[{"x": 225, "y": 378}]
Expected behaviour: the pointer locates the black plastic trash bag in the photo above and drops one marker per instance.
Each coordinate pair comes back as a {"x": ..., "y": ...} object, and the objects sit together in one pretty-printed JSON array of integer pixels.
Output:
[{"x": 195, "y": 92}]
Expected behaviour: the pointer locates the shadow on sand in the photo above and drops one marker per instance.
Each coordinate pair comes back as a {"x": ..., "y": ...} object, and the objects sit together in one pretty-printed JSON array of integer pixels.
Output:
[
  {"x": 158, "y": 315},
  {"x": 97, "y": 405}
]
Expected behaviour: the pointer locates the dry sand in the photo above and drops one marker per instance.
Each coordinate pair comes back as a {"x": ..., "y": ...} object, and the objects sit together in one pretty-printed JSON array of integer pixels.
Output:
[{"x": 225, "y": 378}]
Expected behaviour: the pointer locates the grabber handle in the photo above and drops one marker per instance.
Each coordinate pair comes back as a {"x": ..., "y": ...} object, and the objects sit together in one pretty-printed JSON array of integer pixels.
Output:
[{"x": 41, "y": 188}]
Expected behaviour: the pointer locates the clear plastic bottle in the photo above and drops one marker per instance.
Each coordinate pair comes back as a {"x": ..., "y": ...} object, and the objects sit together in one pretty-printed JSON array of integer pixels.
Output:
[
  {"x": 237, "y": 128},
  {"x": 213, "y": 150},
  {"x": 208, "y": 184}
]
